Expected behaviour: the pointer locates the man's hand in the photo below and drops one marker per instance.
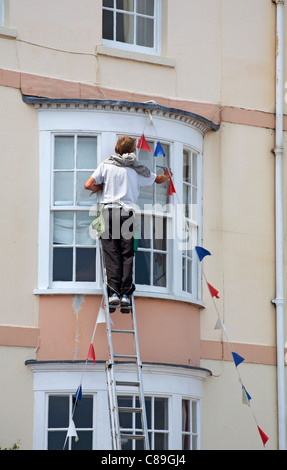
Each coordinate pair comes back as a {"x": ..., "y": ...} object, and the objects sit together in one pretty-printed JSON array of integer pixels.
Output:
[{"x": 163, "y": 178}]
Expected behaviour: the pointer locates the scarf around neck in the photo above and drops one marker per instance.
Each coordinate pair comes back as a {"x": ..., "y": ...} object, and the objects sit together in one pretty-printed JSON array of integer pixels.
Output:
[{"x": 128, "y": 160}]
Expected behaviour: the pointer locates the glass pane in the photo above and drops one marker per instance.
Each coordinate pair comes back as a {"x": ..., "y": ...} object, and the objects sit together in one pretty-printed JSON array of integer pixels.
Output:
[
  {"x": 127, "y": 5},
  {"x": 64, "y": 153},
  {"x": 145, "y": 237},
  {"x": 63, "y": 188},
  {"x": 87, "y": 152},
  {"x": 185, "y": 416},
  {"x": 108, "y": 25},
  {"x": 186, "y": 442},
  {"x": 56, "y": 440},
  {"x": 148, "y": 413},
  {"x": 160, "y": 413},
  {"x": 194, "y": 169},
  {"x": 160, "y": 441},
  {"x": 125, "y": 418},
  {"x": 86, "y": 264},
  {"x": 84, "y": 197},
  {"x": 162, "y": 189},
  {"x": 146, "y": 7},
  {"x": 83, "y": 220},
  {"x": 83, "y": 414},
  {"x": 125, "y": 28},
  {"x": 63, "y": 264},
  {"x": 145, "y": 32},
  {"x": 159, "y": 270},
  {"x": 108, "y": 3},
  {"x": 187, "y": 199},
  {"x": 127, "y": 444},
  {"x": 85, "y": 441},
  {"x": 186, "y": 167},
  {"x": 58, "y": 415},
  {"x": 142, "y": 267},
  {"x": 159, "y": 233},
  {"x": 63, "y": 228},
  {"x": 194, "y": 416},
  {"x": 189, "y": 276},
  {"x": 183, "y": 273}
]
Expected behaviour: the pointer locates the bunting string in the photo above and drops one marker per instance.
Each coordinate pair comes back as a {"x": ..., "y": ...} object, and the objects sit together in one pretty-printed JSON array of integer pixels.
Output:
[{"x": 237, "y": 359}]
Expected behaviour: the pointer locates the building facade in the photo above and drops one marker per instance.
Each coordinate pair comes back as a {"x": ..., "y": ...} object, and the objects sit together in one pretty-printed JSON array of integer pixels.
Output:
[{"x": 200, "y": 78}]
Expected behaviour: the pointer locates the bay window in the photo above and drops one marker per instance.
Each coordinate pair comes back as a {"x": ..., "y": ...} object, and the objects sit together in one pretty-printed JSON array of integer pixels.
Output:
[{"x": 74, "y": 139}]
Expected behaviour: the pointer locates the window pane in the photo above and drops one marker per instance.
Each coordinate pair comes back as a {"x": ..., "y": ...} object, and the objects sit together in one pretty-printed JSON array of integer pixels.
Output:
[
  {"x": 108, "y": 3},
  {"x": 64, "y": 153},
  {"x": 87, "y": 152},
  {"x": 160, "y": 441},
  {"x": 127, "y": 5},
  {"x": 185, "y": 416},
  {"x": 189, "y": 276},
  {"x": 186, "y": 167},
  {"x": 159, "y": 233},
  {"x": 145, "y": 238},
  {"x": 142, "y": 267},
  {"x": 145, "y": 7},
  {"x": 125, "y": 28},
  {"x": 187, "y": 199},
  {"x": 160, "y": 413},
  {"x": 83, "y": 414},
  {"x": 144, "y": 32},
  {"x": 83, "y": 220},
  {"x": 108, "y": 24},
  {"x": 63, "y": 188},
  {"x": 194, "y": 416},
  {"x": 63, "y": 264},
  {"x": 63, "y": 228},
  {"x": 125, "y": 418},
  {"x": 85, "y": 441},
  {"x": 56, "y": 440},
  {"x": 84, "y": 197},
  {"x": 86, "y": 264},
  {"x": 194, "y": 169},
  {"x": 159, "y": 270},
  {"x": 58, "y": 416}
]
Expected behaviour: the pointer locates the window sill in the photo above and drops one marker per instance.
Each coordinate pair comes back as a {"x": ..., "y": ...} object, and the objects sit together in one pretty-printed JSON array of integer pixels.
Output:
[
  {"x": 9, "y": 33},
  {"x": 136, "y": 56},
  {"x": 138, "y": 293}
]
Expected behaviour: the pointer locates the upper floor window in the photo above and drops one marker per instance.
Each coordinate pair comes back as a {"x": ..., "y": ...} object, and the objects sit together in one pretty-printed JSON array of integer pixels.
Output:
[{"x": 132, "y": 25}]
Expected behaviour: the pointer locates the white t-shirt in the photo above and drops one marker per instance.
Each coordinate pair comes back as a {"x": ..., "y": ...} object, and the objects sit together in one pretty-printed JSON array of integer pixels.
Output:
[{"x": 121, "y": 185}]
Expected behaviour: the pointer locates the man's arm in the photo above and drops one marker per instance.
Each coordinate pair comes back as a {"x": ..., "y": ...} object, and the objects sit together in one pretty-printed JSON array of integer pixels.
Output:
[
  {"x": 163, "y": 178},
  {"x": 91, "y": 185}
]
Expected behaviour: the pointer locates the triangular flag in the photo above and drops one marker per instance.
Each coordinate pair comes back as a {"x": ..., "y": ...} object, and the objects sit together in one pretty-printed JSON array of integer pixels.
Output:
[
  {"x": 245, "y": 396},
  {"x": 219, "y": 325},
  {"x": 237, "y": 359},
  {"x": 263, "y": 436},
  {"x": 213, "y": 291},
  {"x": 158, "y": 150},
  {"x": 78, "y": 395},
  {"x": 171, "y": 189},
  {"x": 72, "y": 431},
  {"x": 91, "y": 353},
  {"x": 201, "y": 252},
  {"x": 143, "y": 144},
  {"x": 101, "y": 316}
]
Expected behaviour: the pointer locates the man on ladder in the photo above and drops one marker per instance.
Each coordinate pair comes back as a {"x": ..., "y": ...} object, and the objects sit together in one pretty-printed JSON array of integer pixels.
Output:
[{"x": 120, "y": 177}]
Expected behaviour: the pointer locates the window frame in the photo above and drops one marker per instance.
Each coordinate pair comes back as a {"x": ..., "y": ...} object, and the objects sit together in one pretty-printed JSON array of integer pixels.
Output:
[
  {"x": 155, "y": 50},
  {"x": 2, "y": 13}
]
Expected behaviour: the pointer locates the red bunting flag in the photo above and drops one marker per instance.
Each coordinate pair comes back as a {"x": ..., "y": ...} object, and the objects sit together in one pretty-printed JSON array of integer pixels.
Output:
[
  {"x": 143, "y": 144},
  {"x": 91, "y": 353},
  {"x": 213, "y": 291},
  {"x": 263, "y": 436},
  {"x": 171, "y": 189}
]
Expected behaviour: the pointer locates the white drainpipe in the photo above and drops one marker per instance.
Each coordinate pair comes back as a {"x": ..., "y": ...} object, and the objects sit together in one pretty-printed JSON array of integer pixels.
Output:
[{"x": 279, "y": 301}]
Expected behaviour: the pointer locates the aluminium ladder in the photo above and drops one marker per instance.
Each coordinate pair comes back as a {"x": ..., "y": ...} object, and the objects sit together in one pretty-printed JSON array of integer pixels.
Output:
[{"x": 113, "y": 384}]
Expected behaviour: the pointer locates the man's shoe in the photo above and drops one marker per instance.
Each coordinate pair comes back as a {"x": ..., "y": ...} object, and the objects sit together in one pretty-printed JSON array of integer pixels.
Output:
[
  {"x": 125, "y": 301},
  {"x": 114, "y": 300}
]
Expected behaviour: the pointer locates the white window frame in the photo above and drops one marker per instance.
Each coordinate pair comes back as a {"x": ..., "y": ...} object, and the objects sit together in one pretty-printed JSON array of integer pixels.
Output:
[
  {"x": 164, "y": 381},
  {"x": 156, "y": 50},
  {"x": 2, "y": 13},
  {"x": 107, "y": 124}
]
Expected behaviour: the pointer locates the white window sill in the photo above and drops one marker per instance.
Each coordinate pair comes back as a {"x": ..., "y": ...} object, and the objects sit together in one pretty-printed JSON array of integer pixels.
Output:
[
  {"x": 138, "y": 293},
  {"x": 9, "y": 33},
  {"x": 137, "y": 56}
]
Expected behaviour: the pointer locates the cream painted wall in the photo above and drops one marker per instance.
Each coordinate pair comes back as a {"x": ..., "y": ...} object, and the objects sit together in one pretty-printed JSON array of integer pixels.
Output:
[
  {"x": 17, "y": 398},
  {"x": 229, "y": 424},
  {"x": 239, "y": 231},
  {"x": 19, "y": 209}
]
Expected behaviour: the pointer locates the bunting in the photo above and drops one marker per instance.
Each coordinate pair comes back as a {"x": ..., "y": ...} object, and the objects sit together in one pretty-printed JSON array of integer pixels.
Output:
[
  {"x": 171, "y": 189},
  {"x": 143, "y": 145},
  {"x": 91, "y": 353},
  {"x": 158, "y": 150},
  {"x": 237, "y": 359}
]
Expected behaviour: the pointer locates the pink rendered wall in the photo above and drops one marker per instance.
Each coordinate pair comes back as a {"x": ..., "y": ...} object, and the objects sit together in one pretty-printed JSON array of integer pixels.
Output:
[{"x": 169, "y": 331}]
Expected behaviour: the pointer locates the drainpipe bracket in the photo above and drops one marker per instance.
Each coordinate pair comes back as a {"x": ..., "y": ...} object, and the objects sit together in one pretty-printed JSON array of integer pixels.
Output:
[{"x": 278, "y": 302}]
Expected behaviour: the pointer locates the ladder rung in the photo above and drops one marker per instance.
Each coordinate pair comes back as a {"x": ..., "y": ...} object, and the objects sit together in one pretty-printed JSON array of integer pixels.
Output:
[
  {"x": 133, "y": 436},
  {"x": 127, "y": 356},
  {"x": 129, "y": 409},
  {"x": 127, "y": 384},
  {"x": 123, "y": 331}
]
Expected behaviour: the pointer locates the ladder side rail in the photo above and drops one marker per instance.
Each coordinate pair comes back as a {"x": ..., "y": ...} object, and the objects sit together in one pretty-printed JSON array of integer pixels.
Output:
[{"x": 140, "y": 378}]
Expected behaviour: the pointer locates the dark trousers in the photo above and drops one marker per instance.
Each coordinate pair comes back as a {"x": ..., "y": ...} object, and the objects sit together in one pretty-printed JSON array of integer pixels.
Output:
[{"x": 118, "y": 251}]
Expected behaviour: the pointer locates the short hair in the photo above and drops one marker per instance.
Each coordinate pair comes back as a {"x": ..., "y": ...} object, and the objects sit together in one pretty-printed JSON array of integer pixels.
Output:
[{"x": 125, "y": 144}]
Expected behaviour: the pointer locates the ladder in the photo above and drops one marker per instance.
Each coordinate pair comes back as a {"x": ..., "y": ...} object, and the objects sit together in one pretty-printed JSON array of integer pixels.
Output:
[{"x": 115, "y": 386}]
